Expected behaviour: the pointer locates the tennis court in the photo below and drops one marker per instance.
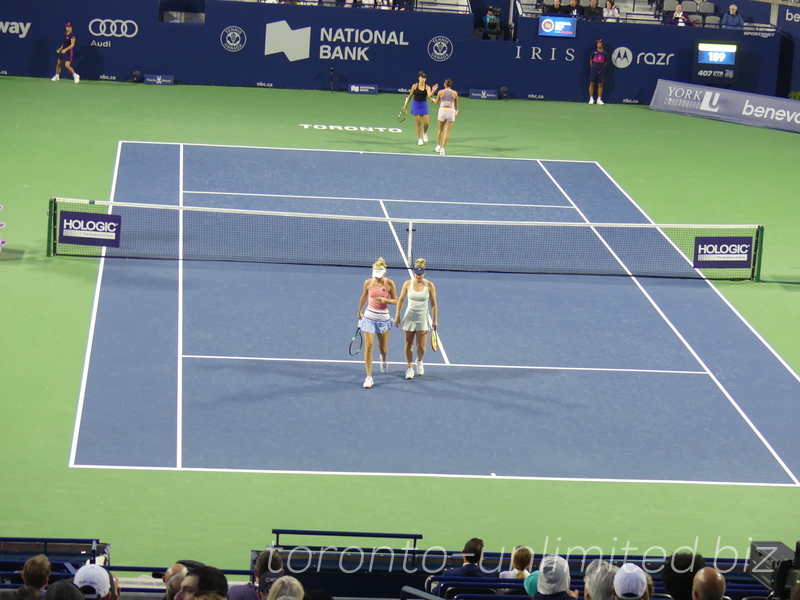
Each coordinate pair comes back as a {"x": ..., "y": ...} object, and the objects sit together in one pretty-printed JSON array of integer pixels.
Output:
[{"x": 611, "y": 378}]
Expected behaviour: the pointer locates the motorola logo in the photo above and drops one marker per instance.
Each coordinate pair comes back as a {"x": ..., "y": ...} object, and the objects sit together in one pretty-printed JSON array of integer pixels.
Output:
[
  {"x": 622, "y": 57},
  {"x": 113, "y": 28}
]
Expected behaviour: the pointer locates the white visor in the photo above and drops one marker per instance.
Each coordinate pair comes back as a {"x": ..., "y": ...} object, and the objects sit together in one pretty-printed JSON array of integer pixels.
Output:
[{"x": 378, "y": 273}]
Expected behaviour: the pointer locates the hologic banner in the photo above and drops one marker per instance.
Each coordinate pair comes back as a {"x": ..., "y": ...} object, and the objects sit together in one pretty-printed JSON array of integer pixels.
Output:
[
  {"x": 723, "y": 252},
  {"x": 727, "y": 105},
  {"x": 90, "y": 229}
]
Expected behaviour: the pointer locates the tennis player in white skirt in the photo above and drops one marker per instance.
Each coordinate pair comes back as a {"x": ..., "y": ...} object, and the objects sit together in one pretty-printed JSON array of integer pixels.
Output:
[
  {"x": 375, "y": 319},
  {"x": 421, "y": 294}
]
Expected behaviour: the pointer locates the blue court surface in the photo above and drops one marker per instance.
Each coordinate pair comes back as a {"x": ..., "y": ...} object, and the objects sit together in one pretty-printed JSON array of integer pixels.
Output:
[{"x": 244, "y": 366}]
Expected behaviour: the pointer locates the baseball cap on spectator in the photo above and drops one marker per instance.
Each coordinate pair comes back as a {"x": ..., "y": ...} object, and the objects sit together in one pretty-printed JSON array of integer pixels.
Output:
[
  {"x": 630, "y": 582},
  {"x": 93, "y": 581},
  {"x": 265, "y": 582},
  {"x": 553, "y": 575}
]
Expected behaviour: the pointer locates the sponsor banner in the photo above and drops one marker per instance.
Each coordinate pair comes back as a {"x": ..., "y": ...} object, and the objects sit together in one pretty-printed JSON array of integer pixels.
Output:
[
  {"x": 362, "y": 88},
  {"x": 90, "y": 229},
  {"x": 159, "y": 79},
  {"x": 483, "y": 94},
  {"x": 723, "y": 252},
  {"x": 727, "y": 105},
  {"x": 276, "y": 45},
  {"x": 551, "y": 26}
]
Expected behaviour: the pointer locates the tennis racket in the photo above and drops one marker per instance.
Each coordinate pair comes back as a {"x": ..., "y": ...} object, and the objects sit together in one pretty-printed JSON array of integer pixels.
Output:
[
  {"x": 356, "y": 342},
  {"x": 434, "y": 340},
  {"x": 403, "y": 114}
]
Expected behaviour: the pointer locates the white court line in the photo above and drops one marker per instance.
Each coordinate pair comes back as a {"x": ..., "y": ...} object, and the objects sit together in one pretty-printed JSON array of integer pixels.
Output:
[
  {"x": 441, "y": 475},
  {"x": 411, "y": 275},
  {"x": 92, "y": 323},
  {"x": 420, "y": 156},
  {"x": 396, "y": 474},
  {"x": 300, "y": 197},
  {"x": 448, "y": 364},
  {"x": 683, "y": 340},
  {"x": 708, "y": 281},
  {"x": 179, "y": 391}
]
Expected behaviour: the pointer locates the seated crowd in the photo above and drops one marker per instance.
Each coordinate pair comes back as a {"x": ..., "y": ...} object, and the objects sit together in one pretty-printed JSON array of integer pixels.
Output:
[
  {"x": 684, "y": 575},
  {"x": 593, "y": 12}
]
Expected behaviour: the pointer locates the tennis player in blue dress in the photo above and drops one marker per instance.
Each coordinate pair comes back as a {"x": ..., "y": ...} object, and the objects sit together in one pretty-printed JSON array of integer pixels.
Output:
[
  {"x": 420, "y": 293},
  {"x": 66, "y": 54},
  {"x": 379, "y": 292},
  {"x": 420, "y": 92}
]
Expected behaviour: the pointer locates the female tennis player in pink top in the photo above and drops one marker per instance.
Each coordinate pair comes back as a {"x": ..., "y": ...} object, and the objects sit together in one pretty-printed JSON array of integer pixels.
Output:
[
  {"x": 447, "y": 99},
  {"x": 376, "y": 320}
]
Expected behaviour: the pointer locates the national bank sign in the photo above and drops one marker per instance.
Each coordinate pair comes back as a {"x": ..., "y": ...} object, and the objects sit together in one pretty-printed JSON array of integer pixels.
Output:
[
  {"x": 336, "y": 43},
  {"x": 727, "y": 105}
]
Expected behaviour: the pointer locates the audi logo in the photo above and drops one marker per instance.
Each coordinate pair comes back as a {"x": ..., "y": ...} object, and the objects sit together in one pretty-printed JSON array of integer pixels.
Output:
[{"x": 113, "y": 28}]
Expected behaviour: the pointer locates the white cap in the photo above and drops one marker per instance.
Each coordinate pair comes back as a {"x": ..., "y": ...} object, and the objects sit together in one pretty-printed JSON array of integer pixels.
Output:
[
  {"x": 93, "y": 581},
  {"x": 630, "y": 582}
]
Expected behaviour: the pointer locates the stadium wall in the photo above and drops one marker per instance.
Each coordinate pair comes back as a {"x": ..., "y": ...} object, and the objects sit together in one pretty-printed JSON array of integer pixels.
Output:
[{"x": 304, "y": 47}]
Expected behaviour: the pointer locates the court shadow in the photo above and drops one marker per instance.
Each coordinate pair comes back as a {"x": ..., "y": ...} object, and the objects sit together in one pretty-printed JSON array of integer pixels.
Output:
[{"x": 11, "y": 254}]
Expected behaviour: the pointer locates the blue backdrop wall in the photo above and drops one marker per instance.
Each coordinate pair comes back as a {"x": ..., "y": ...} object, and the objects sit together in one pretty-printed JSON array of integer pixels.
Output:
[{"x": 287, "y": 46}]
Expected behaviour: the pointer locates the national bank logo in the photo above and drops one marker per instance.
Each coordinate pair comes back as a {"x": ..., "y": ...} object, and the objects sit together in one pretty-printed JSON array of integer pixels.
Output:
[{"x": 294, "y": 43}]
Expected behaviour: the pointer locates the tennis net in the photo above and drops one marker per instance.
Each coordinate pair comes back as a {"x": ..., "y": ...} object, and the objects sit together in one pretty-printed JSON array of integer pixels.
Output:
[{"x": 151, "y": 231}]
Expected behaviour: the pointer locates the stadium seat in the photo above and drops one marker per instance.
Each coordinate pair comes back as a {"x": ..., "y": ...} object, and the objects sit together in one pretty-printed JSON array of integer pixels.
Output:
[
  {"x": 696, "y": 20},
  {"x": 706, "y": 7},
  {"x": 670, "y": 5},
  {"x": 458, "y": 591},
  {"x": 689, "y": 6},
  {"x": 713, "y": 20}
]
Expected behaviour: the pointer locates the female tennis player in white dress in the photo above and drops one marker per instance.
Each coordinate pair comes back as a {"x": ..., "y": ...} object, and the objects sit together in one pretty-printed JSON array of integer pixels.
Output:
[
  {"x": 447, "y": 99},
  {"x": 420, "y": 293},
  {"x": 380, "y": 291}
]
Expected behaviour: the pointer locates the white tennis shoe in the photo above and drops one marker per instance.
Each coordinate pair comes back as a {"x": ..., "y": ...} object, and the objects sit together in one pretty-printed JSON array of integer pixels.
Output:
[
  {"x": 368, "y": 382},
  {"x": 441, "y": 151},
  {"x": 425, "y": 137},
  {"x": 420, "y": 368},
  {"x": 55, "y": 78},
  {"x": 410, "y": 373},
  {"x": 384, "y": 365},
  {"x": 420, "y": 142},
  {"x": 77, "y": 78},
  {"x": 591, "y": 100},
  {"x": 600, "y": 101},
  {"x": 438, "y": 149}
]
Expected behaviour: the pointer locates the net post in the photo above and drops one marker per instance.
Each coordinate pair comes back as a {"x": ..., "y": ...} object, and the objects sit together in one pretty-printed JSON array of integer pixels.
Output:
[
  {"x": 409, "y": 251},
  {"x": 759, "y": 251},
  {"x": 51, "y": 219}
]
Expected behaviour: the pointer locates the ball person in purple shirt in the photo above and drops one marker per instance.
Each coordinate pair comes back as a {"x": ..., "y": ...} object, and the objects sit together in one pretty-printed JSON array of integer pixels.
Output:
[
  {"x": 66, "y": 53},
  {"x": 598, "y": 60}
]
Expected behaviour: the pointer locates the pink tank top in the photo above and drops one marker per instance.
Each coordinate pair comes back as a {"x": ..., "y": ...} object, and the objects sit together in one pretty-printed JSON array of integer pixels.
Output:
[{"x": 377, "y": 311}]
